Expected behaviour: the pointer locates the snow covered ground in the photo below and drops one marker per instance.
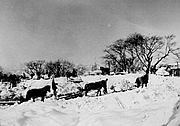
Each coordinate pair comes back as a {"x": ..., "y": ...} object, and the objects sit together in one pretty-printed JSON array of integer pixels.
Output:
[{"x": 155, "y": 105}]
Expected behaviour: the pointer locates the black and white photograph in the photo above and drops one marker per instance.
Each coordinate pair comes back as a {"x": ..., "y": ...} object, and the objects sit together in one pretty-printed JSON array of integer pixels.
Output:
[{"x": 89, "y": 62}]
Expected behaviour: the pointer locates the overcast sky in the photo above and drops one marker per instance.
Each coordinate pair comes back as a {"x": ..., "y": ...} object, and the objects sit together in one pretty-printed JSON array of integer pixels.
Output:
[{"x": 78, "y": 30}]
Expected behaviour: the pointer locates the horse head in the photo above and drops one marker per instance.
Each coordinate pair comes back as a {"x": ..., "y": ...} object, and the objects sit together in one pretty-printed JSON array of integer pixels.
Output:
[{"x": 47, "y": 88}]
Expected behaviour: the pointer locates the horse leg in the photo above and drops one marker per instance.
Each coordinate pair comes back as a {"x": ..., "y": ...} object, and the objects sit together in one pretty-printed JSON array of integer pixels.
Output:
[
  {"x": 105, "y": 91},
  {"x": 86, "y": 93},
  {"x": 97, "y": 93},
  {"x": 145, "y": 84},
  {"x": 55, "y": 94},
  {"x": 138, "y": 85},
  {"x": 142, "y": 84},
  {"x": 42, "y": 98},
  {"x": 33, "y": 99}
]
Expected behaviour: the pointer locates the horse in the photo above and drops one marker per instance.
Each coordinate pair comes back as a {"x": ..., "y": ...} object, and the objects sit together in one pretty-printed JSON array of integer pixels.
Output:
[
  {"x": 105, "y": 70},
  {"x": 71, "y": 74},
  {"x": 34, "y": 93},
  {"x": 140, "y": 81},
  {"x": 68, "y": 75},
  {"x": 96, "y": 86}
]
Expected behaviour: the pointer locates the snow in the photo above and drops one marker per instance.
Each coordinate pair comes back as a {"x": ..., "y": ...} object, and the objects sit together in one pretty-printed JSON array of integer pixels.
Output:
[
  {"x": 162, "y": 71},
  {"x": 154, "y": 105}
]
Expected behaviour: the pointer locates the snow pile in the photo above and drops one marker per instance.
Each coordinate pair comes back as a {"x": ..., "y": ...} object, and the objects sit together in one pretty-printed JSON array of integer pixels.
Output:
[
  {"x": 162, "y": 71},
  {"x": 118, "y": 83},
  {"x": 123, "y": 85},
  {"x": 68, "y": 87},
  {"x": 37, "y": 114},
  {"x": 6, "y": 93}
]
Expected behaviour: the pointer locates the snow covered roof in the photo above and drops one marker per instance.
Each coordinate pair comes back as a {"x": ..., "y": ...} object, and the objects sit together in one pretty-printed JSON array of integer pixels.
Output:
[{"x": 161, "y": 71}]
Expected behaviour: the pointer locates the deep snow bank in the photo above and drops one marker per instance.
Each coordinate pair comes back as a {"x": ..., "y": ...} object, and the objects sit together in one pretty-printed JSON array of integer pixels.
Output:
[{"x": 109, "y": 110}]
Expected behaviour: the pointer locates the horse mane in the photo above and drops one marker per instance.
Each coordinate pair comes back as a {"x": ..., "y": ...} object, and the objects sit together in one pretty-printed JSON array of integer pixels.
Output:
[{"x": 47, "y": 87}]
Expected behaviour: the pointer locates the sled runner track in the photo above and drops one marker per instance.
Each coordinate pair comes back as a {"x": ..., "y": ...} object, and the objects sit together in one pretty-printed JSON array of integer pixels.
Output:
[
  {"x": 7, "y": 102},
  {"x": 119, "y": 102}
]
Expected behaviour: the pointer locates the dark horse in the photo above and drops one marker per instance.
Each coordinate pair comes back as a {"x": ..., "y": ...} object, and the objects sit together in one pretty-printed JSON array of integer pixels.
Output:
[
  {"x": 105, "y": 70},
  {"x": 34, "y": 93},
  {"x": 71, "y": 74},
  {"x": 140, "y": 81},
  {"x": 96, "y": 86}
]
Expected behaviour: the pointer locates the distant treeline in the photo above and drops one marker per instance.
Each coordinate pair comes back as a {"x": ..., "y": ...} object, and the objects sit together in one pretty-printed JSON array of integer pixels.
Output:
[
  {"x": 57, "y": 68},
  {"x": 13, "y": 79}
]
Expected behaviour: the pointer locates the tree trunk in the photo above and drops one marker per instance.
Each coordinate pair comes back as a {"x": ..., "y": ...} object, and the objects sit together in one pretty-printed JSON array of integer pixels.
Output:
[{"x": 148, "y": 69}]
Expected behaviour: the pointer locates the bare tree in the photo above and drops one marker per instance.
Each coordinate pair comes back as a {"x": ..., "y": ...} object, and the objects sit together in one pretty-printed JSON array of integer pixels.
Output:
[
  {"x": 66, "y": 66},
  {"x": 120, "y": 55},
  {"x": 50, "y": 68},
  {"x": 144, "y": 48},
  {"x": 59, "y": 67},
  {"x": 81, "y": 69},
  {"x": 35, "y": 68},
  {"x": 140, "y": 51},
  {"x": 169, "y": 47},
  {"x": 1, "y": 73},
  {"x": 147, "y": 48}
]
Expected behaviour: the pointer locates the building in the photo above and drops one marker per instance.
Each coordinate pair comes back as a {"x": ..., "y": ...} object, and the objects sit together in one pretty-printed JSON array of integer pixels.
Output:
[{"x": 174, "y": 69}]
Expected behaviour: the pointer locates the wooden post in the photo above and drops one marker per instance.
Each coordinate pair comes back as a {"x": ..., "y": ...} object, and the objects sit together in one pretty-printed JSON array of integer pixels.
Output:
[
  {"x": 177, "y": 69},
  {"x": 109, "y": 65}
]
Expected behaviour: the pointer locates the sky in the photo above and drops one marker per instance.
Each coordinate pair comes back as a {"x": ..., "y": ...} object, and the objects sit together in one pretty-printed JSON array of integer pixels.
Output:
[{"x": 78, "y": 30}]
